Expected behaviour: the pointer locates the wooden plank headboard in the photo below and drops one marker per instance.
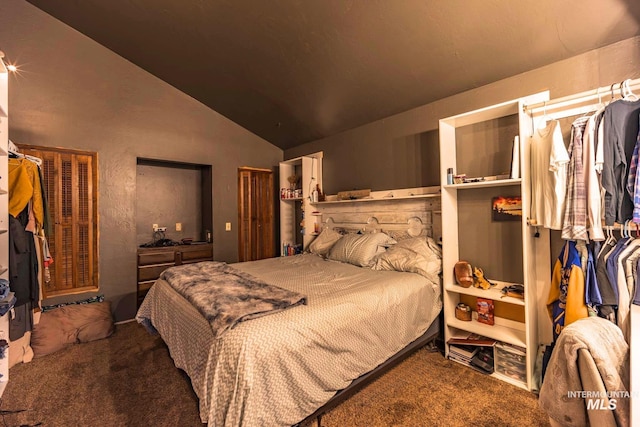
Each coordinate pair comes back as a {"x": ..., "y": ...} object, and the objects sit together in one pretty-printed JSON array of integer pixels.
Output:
[{"x": 400, "y": 213}]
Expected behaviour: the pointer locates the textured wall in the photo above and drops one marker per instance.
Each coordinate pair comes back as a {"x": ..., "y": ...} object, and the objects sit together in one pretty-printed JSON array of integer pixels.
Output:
[
  {"x": 402, "y": 150},
  {"x": 167, "y": 195},
  {"x": 75, "y": 93}
]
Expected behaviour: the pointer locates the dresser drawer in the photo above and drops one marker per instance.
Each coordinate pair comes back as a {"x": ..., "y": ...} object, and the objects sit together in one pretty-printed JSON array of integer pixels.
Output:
[
  {"x": 204, "y": 253},
  {"x": 152, "y": 272},
  {"x": 162, "y": 257}
]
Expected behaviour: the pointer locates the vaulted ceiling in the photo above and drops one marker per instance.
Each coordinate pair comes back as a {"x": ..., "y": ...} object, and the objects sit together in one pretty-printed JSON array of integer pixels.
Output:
[{"x": 294, "y": 71}]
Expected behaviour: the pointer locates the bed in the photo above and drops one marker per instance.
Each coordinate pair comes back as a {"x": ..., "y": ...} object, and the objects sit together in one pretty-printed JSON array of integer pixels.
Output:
[{"x": 282, "y": 368}]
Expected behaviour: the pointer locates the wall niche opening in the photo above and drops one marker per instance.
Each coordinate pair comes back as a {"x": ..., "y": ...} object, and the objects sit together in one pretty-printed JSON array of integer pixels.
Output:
[{"x": 170, "y": 193}]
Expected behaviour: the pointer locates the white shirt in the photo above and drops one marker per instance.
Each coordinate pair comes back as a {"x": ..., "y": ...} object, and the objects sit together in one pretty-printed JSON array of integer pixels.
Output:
[{"x": 549, "y": 159}]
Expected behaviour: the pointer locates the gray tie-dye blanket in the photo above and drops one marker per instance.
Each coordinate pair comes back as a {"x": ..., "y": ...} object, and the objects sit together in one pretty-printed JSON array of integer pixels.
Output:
[{"x": 226, "y": 296}]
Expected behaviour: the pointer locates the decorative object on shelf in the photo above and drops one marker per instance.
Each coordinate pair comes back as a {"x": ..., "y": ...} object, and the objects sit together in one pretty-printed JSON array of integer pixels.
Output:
[
  {"x": 353, "y": 194},
  {"x": 463, "y": 312},
  {"x": 516, "y": 291},
  {"x": 506, "y": 208},
  {"x": 463, "y": 273},
  {"x": 449, "y": 176},
  {"x": 459, "y": 179},
  {"x": 479, "y": 280},
  {"x": 293, "y": 181},
  {"x": 484, "y": 307}
]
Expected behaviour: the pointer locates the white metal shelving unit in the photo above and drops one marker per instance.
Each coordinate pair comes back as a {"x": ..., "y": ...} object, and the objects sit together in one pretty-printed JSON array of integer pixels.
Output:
[{"x": 521, "y": 333}]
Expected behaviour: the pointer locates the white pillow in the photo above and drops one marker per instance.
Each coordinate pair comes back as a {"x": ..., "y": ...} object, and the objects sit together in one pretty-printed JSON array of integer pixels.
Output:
[
  {"x": 360, "y": 249},
  {"x": 416, "y": 255},
  {"x": 324, "y": 242}
]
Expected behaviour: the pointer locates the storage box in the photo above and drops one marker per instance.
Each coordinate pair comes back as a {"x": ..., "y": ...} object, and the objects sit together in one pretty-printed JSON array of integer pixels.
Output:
[{"x": 511, "y": 361}]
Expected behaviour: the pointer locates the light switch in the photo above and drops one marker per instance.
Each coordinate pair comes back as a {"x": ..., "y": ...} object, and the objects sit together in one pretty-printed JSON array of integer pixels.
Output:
[
  {"x": 178, "y": 226},
  {"x": 227, "y": 226}
]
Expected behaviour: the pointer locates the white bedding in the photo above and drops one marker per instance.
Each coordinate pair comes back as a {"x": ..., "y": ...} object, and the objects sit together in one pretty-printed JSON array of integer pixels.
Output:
[{"x": 278, "y": 369}]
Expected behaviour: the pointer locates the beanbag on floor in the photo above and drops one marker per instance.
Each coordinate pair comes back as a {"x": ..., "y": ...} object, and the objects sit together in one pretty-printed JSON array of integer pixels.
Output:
[{"x": 71, "y": 324}]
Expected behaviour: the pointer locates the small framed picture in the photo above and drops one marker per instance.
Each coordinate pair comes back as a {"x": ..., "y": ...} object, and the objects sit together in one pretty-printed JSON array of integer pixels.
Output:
[{"x": 506, "y": 208}]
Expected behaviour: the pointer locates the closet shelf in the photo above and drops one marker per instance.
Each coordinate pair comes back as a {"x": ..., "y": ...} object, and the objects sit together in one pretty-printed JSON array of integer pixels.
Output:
[
  {"x": 504, "y": 330},
  {"x": 494, "y": 293},
  {"x": 500, "y": 377},
  {"x": 385, "y": 199},
  {"x": 484, "y": 184}
]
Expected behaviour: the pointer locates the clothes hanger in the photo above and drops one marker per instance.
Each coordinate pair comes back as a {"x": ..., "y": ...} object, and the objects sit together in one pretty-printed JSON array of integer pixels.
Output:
[
  {"x": 627, "y": 92},
  {"x": 544, "y": 119}
]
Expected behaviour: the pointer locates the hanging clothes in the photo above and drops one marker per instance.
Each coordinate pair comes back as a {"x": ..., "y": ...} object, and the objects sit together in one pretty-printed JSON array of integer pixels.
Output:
[
  {"x": 25, "y": 190},
  {"x": 607, "y": 308},
  {"x": 566, "y": 301},
  {"x": 633, "y": 180},
  {"x": 592, "y": 178},
  {"x": 549, "y": 159},
  {"x": 620, "y": 135},
  {"x": 575, "y": 214}
]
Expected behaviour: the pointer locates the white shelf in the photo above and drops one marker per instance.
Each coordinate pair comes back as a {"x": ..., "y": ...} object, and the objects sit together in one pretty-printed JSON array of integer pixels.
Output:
[
  {"x": 470, "y": 232},
  {"x": 309, "y": 169},
  {"x": 504, "y": 330},
  {"x": 485, "y": 184},
  {"x": 384, "y": 199},
  {"x": 499, "y": 376},
  {"x": 494, "y": 293}
]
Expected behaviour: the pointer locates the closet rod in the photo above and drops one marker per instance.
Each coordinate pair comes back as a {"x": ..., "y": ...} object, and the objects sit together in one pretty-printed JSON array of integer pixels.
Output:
[{"x": 603, "y": 92}]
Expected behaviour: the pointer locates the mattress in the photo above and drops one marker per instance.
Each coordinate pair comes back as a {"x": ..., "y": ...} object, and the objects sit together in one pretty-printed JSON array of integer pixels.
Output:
[{"x": 278, "y": 369}]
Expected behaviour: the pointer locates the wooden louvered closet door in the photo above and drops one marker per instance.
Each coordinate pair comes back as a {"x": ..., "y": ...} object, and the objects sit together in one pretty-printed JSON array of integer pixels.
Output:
[
  {"x": 255, "y": 214},
  {"x": 71, "y": 193}
]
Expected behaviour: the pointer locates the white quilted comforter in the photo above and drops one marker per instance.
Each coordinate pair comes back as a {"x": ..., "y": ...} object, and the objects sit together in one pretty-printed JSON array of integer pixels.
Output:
[{"x": 278, "y": 369}]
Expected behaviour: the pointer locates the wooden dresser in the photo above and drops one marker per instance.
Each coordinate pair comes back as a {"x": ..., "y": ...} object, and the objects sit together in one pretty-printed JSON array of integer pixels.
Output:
[{"x": 153, "y": 261}]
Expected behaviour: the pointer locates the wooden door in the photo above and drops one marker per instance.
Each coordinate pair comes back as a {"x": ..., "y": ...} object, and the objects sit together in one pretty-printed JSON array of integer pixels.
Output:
[{"x": 255, "y": 214}]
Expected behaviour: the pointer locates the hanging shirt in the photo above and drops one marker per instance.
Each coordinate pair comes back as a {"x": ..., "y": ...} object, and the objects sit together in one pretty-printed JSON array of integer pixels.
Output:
[
  {"x": 609, "y": 298},
  {"x": 612, "y": 265},
  {"x": 592, "y": 296},
  {"x": 592, "y": 179},
  {"x": 566, "y": 302},
  {"x": 24, "y": 188},
  {"x": 620, "y": 134},
  {"x": 575, "y": 214},
  {"x": 549, "y": 159},
  {"x": 633, "y": 181},
  {"x": 622, "y": 316}
]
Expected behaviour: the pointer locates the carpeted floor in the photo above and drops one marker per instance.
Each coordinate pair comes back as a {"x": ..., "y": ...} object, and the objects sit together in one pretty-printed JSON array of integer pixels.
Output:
[{"x": 129, "y": 380}]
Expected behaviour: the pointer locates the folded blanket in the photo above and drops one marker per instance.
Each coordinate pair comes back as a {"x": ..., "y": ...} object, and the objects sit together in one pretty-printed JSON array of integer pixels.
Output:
[{"x": 226, "y": 296}]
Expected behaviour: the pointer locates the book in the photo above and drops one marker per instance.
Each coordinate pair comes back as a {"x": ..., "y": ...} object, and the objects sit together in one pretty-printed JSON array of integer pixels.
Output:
[
  {"x": 515, "y": 158},
  {"x": 484, "y": 308},
  {"x": 471, "y": 339},
  {"x": 467, "y": 351}
]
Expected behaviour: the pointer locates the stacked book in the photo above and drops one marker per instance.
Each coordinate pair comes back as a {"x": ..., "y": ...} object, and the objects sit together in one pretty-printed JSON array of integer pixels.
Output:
[
  {"x": 472, "y": 350},
  {"x": 462, "y": 353}
]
